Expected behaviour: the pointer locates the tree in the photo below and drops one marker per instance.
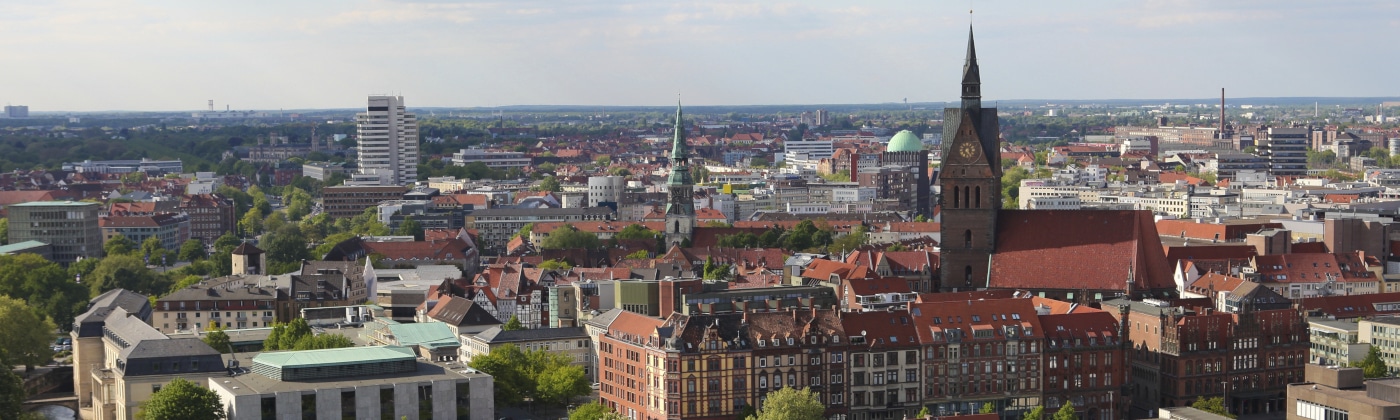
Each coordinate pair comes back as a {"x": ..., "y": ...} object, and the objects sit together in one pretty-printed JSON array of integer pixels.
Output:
[
  {"x": 218, "y": 339},
  {"x": 12, "y": 392},
  {"x": 595, "y": 411},
  {"x": 182, "y": 400},
  {"x": 519, "y": 375},
  {"x": 1066, "y": 412},
  {"x": 549, "y": 183},
  {"x": 1211, "y": 405},
  {"x": 923, "y": 412},
  {"x": 513, "y": 324},
  {"x": 125, "y": 272},
  {"x": 556, "y": 265},
  {"x": 192, "y": 250},
  {"x": 524, "y": 231},
  {"x": 323, "y": 341},
  {"x": 1372, "y": 366},
  {"x": 569, "y": 237},
  {"x": 410, "y": 227},
  {"x": 4, "y": 231},
  {"x": 44, "y": 285},
  {"x": 227, "y": 242},
  {"x": 1037, "y": 413},
  {"x": 27, "y": 333},
  {"x": 286, "y": 245},
  {"x": 561, "y": 384},
  {"x": 851, "y": 241},
  {"x": 635, "y": 231},
  {"x": 791, "y": 404},
  {"x": 988, "y": 408},
  {"x": 639, "y": 255},
  {"x": 251, "y": 223},
  {"x": 119, "y": 245}
]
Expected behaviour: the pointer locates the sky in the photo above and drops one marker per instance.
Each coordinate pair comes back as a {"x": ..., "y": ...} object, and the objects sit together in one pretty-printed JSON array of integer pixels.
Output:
[{"x": 102, "y": 55}]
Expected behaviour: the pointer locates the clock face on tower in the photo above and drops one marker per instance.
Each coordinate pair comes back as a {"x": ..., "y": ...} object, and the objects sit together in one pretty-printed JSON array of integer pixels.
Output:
[{"x": 967, "y": 151}]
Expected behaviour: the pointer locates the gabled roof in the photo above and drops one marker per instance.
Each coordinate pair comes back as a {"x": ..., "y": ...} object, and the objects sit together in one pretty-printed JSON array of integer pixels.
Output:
[
  {"x": 892, "y": 329},
  {"x": 460, "y": 312},
  {"x": 1090, "y": 325},
  {"x": 421, "y": 250},
  {"x": 867, "y": 287},
  {"x": 1077, "y": 250}
]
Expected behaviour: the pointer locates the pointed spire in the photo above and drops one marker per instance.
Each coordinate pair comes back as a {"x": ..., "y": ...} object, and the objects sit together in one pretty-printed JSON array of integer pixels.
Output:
[
  {"x": 972, "y": 78},
  {"x": 678, "y": 147}
]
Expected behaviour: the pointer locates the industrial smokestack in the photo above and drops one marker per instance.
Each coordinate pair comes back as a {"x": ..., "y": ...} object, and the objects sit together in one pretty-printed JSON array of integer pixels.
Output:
[{"x": 1222, "y": 113}]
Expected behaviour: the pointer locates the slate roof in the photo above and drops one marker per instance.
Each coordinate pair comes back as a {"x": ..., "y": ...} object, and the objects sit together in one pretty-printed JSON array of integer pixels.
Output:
[
  {"x": 89, "y": 323},
  {"x": 459, "y": 311},
  {"x": 495, "y": 335},
  {"x": 1078, "y": 249},
  {"x": 247, "y": 249}
]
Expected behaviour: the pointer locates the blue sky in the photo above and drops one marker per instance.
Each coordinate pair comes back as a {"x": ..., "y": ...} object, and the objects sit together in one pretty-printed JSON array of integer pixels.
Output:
[{"x": 176, "y": 55}]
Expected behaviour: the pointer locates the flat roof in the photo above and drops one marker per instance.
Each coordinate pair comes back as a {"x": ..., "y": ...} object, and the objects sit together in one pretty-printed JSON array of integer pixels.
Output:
[
  {"x": 1339, "y": 324},
  {"x": 334, "y": 357},
  {"x": 6, "y": 249},
  {"x": 55, "y": 203},
  {"x": 254, "y": 384}
]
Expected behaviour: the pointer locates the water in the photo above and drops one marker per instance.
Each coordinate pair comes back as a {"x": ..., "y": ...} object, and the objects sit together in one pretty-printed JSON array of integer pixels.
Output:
[{"x": 56, "y": 412}]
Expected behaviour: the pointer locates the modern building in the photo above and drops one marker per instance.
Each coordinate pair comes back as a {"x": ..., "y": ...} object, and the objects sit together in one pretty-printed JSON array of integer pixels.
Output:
[
  {"x": 388, "y": 141},
  {"x": 1287, "y": 151},
  {"x": 905, "y": 150},
  {"x": 344, "y": 201},
  {"x": 493, "y": 160},
  {"x": 356, "y": 382},
  {"x": 1342, "y": 393},
  {"x": 145, "y": 166},
  {"x": 1335, "y": 342},
  {"x": 17, "y": 111},
  {"x": 321, "y": 171},
  {"x": 812, "y": 150},
  {"x": 70, "y": 227},
  {"x": 171, "y": 229},
  {"x": 605, "y": 189}
]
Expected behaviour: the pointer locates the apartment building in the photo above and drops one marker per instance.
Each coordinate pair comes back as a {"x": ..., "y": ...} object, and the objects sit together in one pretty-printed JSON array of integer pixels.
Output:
[
  {"x": 493, "y": 160},
  {"x": 233, "y": 302},
  {"x": 211, "y": 216},
  {"x": 571, "y": 342}
]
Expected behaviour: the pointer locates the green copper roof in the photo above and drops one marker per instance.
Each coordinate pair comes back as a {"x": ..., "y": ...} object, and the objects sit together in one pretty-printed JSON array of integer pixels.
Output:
[
  {"x": 334, "y": 357},
  {"x": 678, "y": 149},
  {"x": 904, "y": 141},
  {"x": 427, "y": 334}
]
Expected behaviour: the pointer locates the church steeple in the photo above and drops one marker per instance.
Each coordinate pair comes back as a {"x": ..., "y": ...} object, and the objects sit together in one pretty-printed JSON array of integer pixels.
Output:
[
  {"x": 678, "y": 146},
  {"x": 680, "y": 206},
  {"x": 972, "y": 77}
]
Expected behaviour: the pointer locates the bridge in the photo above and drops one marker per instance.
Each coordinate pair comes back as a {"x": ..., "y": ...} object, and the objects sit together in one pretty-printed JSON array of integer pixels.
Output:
[
  {"x": 49, "y": 385},
  {"x": 60, "y": 399}
]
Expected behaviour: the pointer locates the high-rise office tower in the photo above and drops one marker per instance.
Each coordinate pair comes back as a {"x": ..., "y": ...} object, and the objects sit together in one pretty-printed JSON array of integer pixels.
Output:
[{"x": 388, "y": 142}]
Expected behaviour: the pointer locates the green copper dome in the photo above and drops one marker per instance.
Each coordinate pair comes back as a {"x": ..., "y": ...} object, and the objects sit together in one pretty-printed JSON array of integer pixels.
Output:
[{"x": 904, "y": 141}]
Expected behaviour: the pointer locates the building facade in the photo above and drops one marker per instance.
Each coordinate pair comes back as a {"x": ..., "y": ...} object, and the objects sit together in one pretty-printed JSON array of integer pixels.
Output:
[
  {"x": 71, "y": 228},
  {"x": 344, "y": 201},
  {"x": 388, "y": 141}
]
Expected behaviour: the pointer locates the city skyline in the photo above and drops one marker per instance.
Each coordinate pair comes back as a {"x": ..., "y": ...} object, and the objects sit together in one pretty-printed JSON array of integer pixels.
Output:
[{"x": 145, "y": 56}]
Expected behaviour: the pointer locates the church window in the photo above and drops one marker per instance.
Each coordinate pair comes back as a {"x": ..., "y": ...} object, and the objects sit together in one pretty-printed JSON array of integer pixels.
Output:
[
  {"x": 978, "y": 202},
  {"x": 967, "y": 275},
  {"x": 967, "y": 238},
  {"x": 956, "y": 201},
  {"x": 678, "y": 226}
]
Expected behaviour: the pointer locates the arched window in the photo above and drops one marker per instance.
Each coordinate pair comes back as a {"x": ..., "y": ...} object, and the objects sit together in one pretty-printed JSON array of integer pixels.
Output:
[
  {"x": 967, "y": 238},
  {"x": 678, "y": 226},
  {"x": 967, "y": 197},
  {"x": 967, "y": 276},
  {"x": 978, "y": 202},
  {"x": 956, "y": 200}
]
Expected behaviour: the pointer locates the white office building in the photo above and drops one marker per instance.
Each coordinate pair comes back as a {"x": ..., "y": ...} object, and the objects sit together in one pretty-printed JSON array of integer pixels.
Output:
[{"x": 388, "y": 142}]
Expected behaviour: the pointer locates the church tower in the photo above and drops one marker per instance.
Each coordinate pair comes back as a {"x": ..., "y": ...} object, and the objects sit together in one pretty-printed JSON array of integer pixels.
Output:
[
  {"x": 970, "y": 182},
  {"x": 680, "y": 207}
]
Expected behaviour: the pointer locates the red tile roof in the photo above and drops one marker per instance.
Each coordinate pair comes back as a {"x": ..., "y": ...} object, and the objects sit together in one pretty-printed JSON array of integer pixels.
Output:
[
  {"x": 893, "y": 329},
  {"x": 420, "y": 250},
  {"x": 1208, "y": 252},
  {"x": 1311, "y": 268},
  {"x": 866, "y": 287},
  {"x": 975, "y": 314},
  {"x": 1090, "y": 325},
  {"x": 1078, "y": 249}
]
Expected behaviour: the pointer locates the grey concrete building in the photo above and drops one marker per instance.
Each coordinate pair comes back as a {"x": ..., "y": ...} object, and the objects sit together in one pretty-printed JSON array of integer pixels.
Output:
[
  {"x": 355, "y": 382},
  {"x": 70, "y": 227}
]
